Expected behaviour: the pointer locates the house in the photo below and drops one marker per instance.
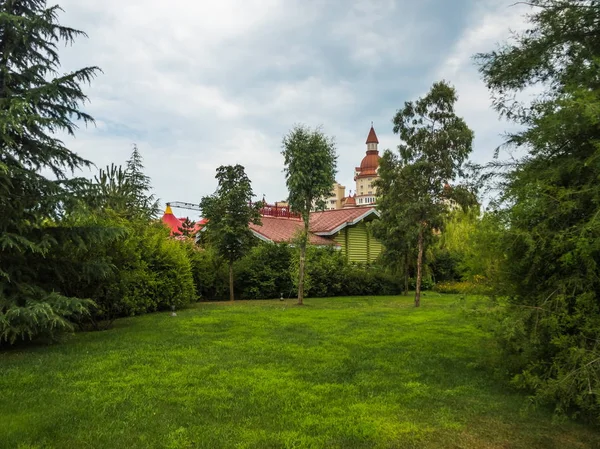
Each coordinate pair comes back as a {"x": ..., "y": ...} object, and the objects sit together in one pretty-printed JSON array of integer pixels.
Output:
[{"x": 344, "y": 229}]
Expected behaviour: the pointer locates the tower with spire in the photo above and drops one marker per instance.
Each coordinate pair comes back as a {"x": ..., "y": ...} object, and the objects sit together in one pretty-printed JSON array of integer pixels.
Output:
[
  {"x": 368, "y": 172},
  {"x": 364, "y": 176}
]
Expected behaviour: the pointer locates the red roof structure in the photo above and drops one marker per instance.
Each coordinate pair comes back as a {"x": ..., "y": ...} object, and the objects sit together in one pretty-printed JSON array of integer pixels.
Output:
[
  {"x": 370, "y": 163},
  {"x": 372, "y": 137},
  {"x": 172, "y": 222},
  {"x": 322, "y": 225},
  {"x": 330, "y": 222},
  {"x": 283, "y": 230}
]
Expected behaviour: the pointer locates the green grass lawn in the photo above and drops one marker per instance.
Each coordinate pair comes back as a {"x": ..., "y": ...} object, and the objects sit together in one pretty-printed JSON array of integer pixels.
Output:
[{"x": 336, "y": 373}]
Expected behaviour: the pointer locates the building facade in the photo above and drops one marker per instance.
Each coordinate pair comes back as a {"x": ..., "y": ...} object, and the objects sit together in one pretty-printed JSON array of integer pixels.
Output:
[
  {"x": 348, "y": 230},
  {"x": 365, "y": 175},
  {"x": 368, "y": 172}
]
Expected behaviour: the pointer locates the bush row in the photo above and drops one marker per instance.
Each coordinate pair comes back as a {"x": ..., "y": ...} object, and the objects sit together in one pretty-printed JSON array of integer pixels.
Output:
[{"x": 270, "y": 271}]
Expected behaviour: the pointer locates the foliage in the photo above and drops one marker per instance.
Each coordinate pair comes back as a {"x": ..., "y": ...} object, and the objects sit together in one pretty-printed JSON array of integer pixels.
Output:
[
  {"x": 229, "y": 212},
  {"x": 142, "y": 270},
  {"x": 413, "y": 193},
  {"x": 476, "y": 286},
  {"x": 209, "y": 271},
  {"x": 470, "y": 249},
  {"x": 142, "y": 200},
  {"x": 36, "y": 103},
  {"x": 187, "y": 228},
  {"x": 310, "y": 165},
  {"x": 265, "y": 272},
  {"x": 270, "y": 271},
  {"x": 340, "y": 373},
  {"x": 550, "y": 200},
  {"x": 126, "y": 191}
]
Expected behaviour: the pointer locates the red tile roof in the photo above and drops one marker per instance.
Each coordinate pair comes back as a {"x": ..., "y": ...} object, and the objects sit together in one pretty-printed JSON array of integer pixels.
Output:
[
  {"x": 327, "y": 221},
  {"x": 281, "y": 230}
]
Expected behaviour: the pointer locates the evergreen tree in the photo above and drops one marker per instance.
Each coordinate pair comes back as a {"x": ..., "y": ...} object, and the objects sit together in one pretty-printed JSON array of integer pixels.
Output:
[
  {"x": 187, "y": 228},
  {"x": 35, "y": 103},
  {"x": 310, "y": 163},
  {"x": 550, "y": 203},
  {"x": 413, "y": 188},
  {"x": 142, "y": 200},
  {"x": 229, "y": 212},
  {"x": 126, "y": 191}
]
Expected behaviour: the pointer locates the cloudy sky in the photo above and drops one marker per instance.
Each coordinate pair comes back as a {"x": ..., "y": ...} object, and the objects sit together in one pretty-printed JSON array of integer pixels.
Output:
[{"x": 197, "y": 83}]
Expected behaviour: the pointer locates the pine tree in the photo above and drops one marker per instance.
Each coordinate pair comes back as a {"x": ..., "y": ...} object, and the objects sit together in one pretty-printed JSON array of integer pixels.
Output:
[
  {"x": 187, "y": 228},
  {"x": 126, "y": 191},
  {"x": 35, "y": 103},
  {"x": 143, "y": 201}
]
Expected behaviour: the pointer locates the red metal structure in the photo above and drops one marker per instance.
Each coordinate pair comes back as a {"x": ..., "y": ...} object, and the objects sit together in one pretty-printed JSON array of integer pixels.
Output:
[{"x": 273, "y": 210}]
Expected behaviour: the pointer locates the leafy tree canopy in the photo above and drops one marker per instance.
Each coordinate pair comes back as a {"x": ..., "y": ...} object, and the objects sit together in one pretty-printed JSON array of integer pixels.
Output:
[
  {"x": 310, "y": 165},
  {"x": 550, "y": 202},
  {"x": 229, "y": 212},
  {"x": 414, "y": 196}
]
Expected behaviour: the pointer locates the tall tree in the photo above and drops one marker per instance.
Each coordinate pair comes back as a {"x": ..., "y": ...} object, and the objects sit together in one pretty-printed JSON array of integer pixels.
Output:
[
  {"x": 35, "y": 103},
  {"x": 398, "y": 243},
  {"x": 550, "y": 202},
  {"x": 310, "y": 165},
  {"x": 143, "y": 200},
  {"x": 229, "y": 212},
  {"x": 435, "y": 143}
]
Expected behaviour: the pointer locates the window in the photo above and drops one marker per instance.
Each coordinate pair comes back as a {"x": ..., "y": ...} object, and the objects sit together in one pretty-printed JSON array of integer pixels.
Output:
[
  {"x": 331, "y": 201},
  {"x": 370, "y": 179},
  {"x": 370, "y": 193}
]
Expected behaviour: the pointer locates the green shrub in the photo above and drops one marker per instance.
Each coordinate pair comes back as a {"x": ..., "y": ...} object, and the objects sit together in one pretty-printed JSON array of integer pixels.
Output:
[
  {"x": 477, "y": 286},
  {"x": 209, "y": 272},
  {"x": 264, "y": 272}
]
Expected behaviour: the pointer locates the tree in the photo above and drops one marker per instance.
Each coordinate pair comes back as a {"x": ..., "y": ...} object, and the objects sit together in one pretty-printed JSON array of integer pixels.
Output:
[
  {"x": 398, "y": 245},
  {"x": 126, "y": 191},
  {"x": 413, "y": 188},
  {"x": 142, "y": 200},
  {"x": 229, "y": 212},
  {"x": 550, "y": 203},
  {"x": 310, "y": 166},
  {"x": 36, "y": 103},
  {"x": 187, "y": 228}
]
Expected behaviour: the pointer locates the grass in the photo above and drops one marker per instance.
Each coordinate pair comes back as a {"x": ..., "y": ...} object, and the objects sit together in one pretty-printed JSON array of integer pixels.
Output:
[{"x": 337, "y": 373}]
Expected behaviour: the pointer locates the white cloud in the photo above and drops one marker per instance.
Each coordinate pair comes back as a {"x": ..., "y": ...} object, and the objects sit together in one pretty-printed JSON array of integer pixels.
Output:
[
  {"x": 198, "y": 83},
  {"x": 492, "y": 22}
]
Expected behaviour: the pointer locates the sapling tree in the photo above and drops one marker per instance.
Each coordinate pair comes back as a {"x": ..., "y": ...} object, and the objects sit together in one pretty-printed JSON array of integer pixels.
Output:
[{"x": 310, "y": 164}]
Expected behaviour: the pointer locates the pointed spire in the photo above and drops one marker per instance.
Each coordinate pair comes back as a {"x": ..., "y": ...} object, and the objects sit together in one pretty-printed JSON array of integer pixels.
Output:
[
  {"x": 168, "y": 210},
  {"x": 372, "y": 138}
]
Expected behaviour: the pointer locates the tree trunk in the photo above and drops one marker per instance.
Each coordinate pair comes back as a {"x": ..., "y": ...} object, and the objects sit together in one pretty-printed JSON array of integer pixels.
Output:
[
  {"x": 231, "y": 281},
  {"x": 301, "y": 266},
  {"x": 419, "y": 269},
  {"x": 406, "y": 275}
]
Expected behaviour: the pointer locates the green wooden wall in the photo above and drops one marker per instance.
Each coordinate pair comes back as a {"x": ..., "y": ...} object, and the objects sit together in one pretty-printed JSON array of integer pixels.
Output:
[{"x": 358, "y": 244}]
